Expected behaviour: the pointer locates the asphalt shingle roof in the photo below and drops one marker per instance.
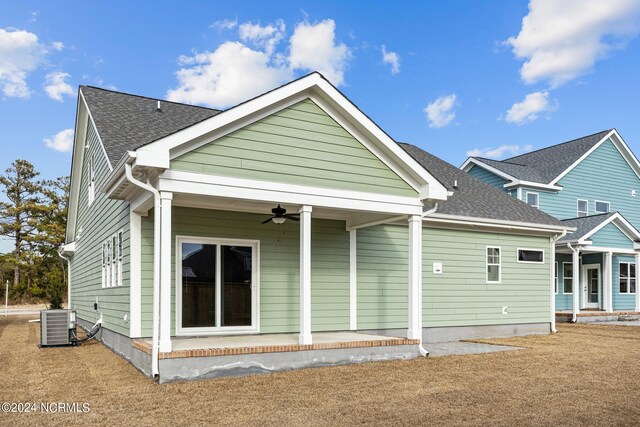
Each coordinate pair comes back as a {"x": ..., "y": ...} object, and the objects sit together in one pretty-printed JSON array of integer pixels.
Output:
[
  {"x": 127, "y": 122},
  {"x": 584, "y": 225},
  {"x": 544, "y": 165},
  {"x": 474, "y": 198}
]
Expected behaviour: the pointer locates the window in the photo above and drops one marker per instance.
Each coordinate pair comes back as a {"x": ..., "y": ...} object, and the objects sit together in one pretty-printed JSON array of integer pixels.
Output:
[
  {"x": 92, "y": 182},
  {"x": 627, "y": 278},
  {"x": 112, "y": 261},
  {"x": 535, "y": 256},
  {"x": 602, "y": 207},
  {"x": 493, "y": 264},
  {"x": 555, "y": 282},
  {"x": 533, "y": 199},
  {"x": 567, "y": 277},
  {"x": 583, "y": 208}
]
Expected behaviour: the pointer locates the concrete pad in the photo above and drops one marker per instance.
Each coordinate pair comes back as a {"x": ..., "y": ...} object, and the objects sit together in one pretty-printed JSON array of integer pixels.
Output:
[{"x": 458, "y": 348}]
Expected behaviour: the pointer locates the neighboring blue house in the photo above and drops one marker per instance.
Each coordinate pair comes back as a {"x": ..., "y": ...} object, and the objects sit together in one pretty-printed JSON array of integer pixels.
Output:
[{"x": 592, "y": 184}]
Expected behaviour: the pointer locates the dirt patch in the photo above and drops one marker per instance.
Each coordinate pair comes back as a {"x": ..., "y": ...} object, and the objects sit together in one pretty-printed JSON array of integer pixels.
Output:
[{"x": 585, "y": 374}]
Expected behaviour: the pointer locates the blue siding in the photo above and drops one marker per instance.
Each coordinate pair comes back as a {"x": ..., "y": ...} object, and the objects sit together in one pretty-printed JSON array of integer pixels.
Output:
[
  {"x": 610, "y": 236},
  {"x": 487, "y": 177},
  {"x": 621, "y": 301},
  {"x": 565, "y": 301}
]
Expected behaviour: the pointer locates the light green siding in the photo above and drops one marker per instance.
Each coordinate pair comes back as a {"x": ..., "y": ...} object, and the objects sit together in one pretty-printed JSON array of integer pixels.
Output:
[
  {"x": 610, "y": 236},
  {"x": 300, "y": 144},
  {"x": 279, "y": 266},
  {"x": 460, "y": 295},
  {"x": 95, "y": 224}
]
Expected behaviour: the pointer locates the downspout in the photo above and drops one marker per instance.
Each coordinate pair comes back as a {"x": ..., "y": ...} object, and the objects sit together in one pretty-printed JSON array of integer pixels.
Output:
[
  {"x": 553, "y": 281},
  {"x": 575, "y": 282},
  {"x": 423, "y": 351},
  {"x": 68, "y": 278},
  {"x": 156, "y": 265}
]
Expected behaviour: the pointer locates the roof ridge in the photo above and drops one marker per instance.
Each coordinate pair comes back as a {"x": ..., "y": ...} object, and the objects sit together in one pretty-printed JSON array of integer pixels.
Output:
[
  {"x": 561, "y": 143},
  {"x": 150, "y": 98},
  {"x": 500, "y": 161}
]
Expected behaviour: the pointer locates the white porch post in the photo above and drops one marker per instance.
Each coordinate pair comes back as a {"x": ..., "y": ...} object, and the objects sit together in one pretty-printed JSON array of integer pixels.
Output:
[
  {"x": 305, "y": 275},
  {"x": 576, "y": 282},
  {"x": 637, "y": 283},
  {"x": 415, "y": 277},
  {"x": 608, "y": 282},
  {"x": 165, "y": 271},
  {"x": 353, "y": 280},
  {"x": 553, "y": 282}
]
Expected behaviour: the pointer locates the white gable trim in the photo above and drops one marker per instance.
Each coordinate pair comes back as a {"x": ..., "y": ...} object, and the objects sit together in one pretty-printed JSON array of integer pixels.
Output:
[
  {"x": 104, "y": 151},
  {"x": 620, "y": 223},
  {"x": 620, "y": 145},
  {"x": 472, "y": 161},
  {"x": 313, "y": 86}
]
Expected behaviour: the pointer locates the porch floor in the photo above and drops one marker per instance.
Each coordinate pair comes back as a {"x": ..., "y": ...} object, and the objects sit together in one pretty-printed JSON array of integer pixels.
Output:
[{"x": 270, "y": 343}]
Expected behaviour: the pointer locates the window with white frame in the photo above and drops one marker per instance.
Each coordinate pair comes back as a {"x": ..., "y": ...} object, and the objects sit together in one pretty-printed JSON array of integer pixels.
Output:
[
  {"x": 567, "y": 277},
  {"x": 92, "y": 182},
  {"x": 627, "y": 278},
  {"x": 535, "y": 256},
  {"x": 602, "y": 207},
  {"x": 533, "y": 199},
  {"x": 112, "y": 256},
  {"x": 493, "y": 264},
  {"x": 582, "y": 207},
  {"x": 555, "y": 281}
]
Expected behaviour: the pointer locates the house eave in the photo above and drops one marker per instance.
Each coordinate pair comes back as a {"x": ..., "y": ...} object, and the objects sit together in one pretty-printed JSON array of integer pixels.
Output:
[{"x": 496, "y": 224}]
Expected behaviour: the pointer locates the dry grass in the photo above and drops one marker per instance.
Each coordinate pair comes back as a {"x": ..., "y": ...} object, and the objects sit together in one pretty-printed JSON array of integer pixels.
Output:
[{"x": 583, "y": 375}]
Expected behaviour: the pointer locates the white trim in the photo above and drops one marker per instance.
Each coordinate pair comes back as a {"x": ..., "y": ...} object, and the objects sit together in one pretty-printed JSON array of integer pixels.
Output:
[
  {"x": 563, "y": 278},
  {"x": 595, "y": 209},
  {"x": 104, "y": 151},
  {"x": 305, "y": 276},
  {"x": 414, "y": 330},
  {"x": 495, "y": 223},
  {"x": 518, "y": 183},
  {"x": 248, "y": 189},
  {"x": 165, "y": 272},
  {"x": 471, "y": 161},
  {"x": 637, "y": 281},
  {"x": 353, "y": 280},
  {"x": 585, "y": 285},
  {"x": 531, "y": 250},
  {"x": 135, "y": 274},
  {"x": 617, "y": 251},
  {"x": 487, "y": 264},
  {"x": 607, "y": 281},
  {"x": 578, "y": 208},
  {"x": 526, "y": 199},
  {"x": 255, "y": 287},
  {"x": 556, "y": 286},
  {"x": 627, "y": 229}
]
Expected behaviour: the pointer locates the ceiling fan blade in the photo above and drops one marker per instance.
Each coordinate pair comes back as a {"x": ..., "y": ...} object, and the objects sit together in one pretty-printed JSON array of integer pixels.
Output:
[
  {"x": 292, "y": 217},
  {"x": 266, "y": 220}
]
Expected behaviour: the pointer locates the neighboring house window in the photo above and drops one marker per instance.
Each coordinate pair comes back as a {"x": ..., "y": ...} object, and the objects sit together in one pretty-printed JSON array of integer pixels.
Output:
[
  {"x": 627, "y": 278},
  {"x": 493, "y": 264},
  {"x": 555, "y": 282},
  {"x": 602, "y": 207},
  {"x": 533, "y": 199},
  {"x": 92, "y": 182},
  {"x": 567, "y": 277},
  {"x": 112, "y": 261},
  {"x": 583, "y": 208},
  {"x": 531, "y": 255}
]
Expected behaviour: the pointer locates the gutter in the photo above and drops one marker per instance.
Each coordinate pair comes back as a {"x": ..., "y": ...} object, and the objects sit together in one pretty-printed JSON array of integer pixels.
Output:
[
  {"x": 68, "y": 275},
  {"x": 552, "y": 280},
  {"x": 156, "y": 261},
  {"x": 485, "y": 222}
]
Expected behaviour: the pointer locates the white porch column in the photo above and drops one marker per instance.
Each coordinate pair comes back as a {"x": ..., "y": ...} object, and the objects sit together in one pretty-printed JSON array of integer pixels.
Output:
[
  {"x": 576, "y": 282},
  {"x": 135, "y": 274},
  {"x": 353, "y": 281},
  {"x": 165, "y": 271},
  {"x": 637, "y": 283},
  {"x": 553, "y": 282},
  {"x": 607, "y": 284},
  {"x": 305, "y": 275},
  {"x": 415, "y": 277}
]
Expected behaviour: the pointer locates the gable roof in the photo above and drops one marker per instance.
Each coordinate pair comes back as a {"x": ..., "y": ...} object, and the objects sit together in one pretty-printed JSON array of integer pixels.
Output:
[
  {"x": 126, "y": 122},
  {"x": 545, "y": 165},
  {"x": 587, "y": 226},
  {"x": 473, "y": 198}
]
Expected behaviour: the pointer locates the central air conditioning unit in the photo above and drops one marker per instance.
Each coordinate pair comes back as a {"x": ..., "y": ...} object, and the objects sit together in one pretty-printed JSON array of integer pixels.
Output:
[{"x": 57, "y": 327}]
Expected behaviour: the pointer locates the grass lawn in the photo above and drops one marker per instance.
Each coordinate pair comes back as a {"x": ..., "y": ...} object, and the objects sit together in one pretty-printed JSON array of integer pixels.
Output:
[{"x": 582, "y": 375}]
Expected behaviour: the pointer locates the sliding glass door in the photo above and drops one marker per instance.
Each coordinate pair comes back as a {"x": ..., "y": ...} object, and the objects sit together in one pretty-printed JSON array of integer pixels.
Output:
[{"x": 217, "y": 289}]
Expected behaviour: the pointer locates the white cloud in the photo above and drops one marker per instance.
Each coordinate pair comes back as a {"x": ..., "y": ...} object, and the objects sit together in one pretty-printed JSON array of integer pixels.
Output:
[
  {"x": 62, "y": 141},
  {"x": 266, "y": 37},
  {"x": 313, "y": 47},
  {"x": 497, "y": 153},
  {"x": 57, "y": 46},
  {"x": 225, "y": 24},
  {"x": 20, "y": 54},
  {"x": 440, "y": 112},
  {"x": 562, "y": 40},
  {"x": 56, "y": 85},
  {"x": 391, "y": 58},
  {"x": 530, "y": 108},
  {"x": 230, "y": 74}
]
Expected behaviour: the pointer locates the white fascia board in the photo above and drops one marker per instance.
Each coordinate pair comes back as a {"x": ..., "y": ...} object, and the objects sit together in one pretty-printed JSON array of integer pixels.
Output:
[
  {"x": 616, "y": 251},
  {"x": 247, "y": 189},
  {"x": 584, "y": 156},
  {"x": 626, "y": 152},
  {"x": 104, "y": 151},
  {"x": 472, "y": 161},
  {"x": 484, "y": 222},
  {"x": 79, "y": 135},
  {"x": 531, "y": 184},
  {"x": 619, "y": 222}
]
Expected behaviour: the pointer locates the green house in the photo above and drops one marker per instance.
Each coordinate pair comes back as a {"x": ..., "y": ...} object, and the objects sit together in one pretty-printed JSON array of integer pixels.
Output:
[{"x": 285, "y": 232}]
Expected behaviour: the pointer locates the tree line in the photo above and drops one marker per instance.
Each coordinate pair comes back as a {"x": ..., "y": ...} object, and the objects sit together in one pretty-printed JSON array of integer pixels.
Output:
[{"x": 33, "y": 216}]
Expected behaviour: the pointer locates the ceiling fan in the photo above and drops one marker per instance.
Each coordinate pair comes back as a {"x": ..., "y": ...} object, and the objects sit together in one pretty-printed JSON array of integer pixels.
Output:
[{"x": 280, "y": 215}]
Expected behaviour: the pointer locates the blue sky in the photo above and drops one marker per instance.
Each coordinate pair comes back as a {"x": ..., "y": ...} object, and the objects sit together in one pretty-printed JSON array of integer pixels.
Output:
[{"x": 452, "y": 77}]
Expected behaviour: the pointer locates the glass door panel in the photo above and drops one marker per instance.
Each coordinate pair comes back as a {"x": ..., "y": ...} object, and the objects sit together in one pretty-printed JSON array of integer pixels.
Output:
[
  {"x": 593, "y": 284},
  {"x": 236, "y": 293},
  {"x": 198, "y": 285}
]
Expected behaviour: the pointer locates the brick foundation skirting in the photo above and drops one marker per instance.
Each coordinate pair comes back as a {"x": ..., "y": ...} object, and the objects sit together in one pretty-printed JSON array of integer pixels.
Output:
[{"x": 146, "y": 347}]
